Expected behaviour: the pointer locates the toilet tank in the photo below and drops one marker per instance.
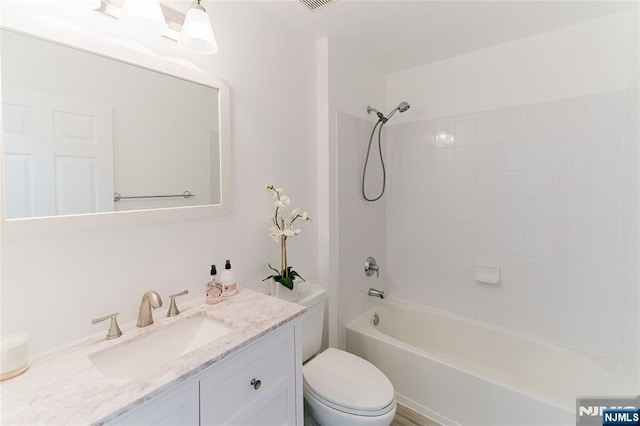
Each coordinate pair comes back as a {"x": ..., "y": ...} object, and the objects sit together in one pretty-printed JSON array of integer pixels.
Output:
[{"x": 313, "y": 296}]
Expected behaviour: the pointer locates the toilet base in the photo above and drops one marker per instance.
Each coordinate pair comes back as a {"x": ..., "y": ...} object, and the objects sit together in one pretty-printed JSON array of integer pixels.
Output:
[{"x": 318, "y": 414}]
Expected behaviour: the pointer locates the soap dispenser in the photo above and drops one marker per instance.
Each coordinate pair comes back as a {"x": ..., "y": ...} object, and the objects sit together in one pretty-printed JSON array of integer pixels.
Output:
[
  {"x": 213, "y": 293},
  {"x": 228, "y": 280}
]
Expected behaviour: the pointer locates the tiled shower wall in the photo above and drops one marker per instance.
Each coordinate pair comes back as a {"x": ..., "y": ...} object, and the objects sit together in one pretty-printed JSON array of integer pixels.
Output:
[{"x": 535, "y": 190}]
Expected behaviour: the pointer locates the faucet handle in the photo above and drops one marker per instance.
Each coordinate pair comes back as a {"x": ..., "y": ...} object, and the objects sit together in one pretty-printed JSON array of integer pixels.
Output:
[
  {"x": 114, "y": 331},
  {"x": 370, "y": 267},
  {"x": 173, "y": 308}
]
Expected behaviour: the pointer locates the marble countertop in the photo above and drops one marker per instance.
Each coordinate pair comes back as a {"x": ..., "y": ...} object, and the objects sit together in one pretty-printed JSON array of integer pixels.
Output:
[{"x": 62, "y": 386}]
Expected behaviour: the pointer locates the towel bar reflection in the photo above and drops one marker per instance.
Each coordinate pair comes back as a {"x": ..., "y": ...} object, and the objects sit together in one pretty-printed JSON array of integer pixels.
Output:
[{"x": 185, "y": 194}]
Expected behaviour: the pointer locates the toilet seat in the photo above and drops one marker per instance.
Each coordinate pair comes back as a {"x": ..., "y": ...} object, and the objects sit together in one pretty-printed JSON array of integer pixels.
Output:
[{"x": 348, "y": 383}]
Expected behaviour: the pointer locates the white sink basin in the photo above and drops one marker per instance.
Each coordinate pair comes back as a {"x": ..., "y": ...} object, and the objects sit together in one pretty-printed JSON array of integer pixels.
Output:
[{"x": 123, "y": 363}]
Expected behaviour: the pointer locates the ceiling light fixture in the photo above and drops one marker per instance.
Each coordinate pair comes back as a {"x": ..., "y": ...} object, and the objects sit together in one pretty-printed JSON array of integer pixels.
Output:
[
  {"x": 197, "y": 32},
  {"x": 86, "y": 4},
  {"x": 145, "y": 15}
]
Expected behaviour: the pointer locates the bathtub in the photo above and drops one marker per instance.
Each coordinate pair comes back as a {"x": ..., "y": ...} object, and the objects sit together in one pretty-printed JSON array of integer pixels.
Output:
[{"x": 462, "y": 372}]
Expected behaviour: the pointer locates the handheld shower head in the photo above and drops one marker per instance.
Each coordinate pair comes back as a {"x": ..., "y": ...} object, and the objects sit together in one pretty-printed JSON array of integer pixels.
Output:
[{"x": 402, "y": 107}]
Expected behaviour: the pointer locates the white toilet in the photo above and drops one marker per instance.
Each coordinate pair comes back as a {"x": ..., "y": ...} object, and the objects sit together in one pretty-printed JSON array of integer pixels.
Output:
[{"x": 339, "y": 388}]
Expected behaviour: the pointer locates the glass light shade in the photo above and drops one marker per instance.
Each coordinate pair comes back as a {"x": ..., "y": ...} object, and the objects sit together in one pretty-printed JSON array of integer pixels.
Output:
[
  {"x": 197, "y": 33},
  {"x": 145, "y": 15}
]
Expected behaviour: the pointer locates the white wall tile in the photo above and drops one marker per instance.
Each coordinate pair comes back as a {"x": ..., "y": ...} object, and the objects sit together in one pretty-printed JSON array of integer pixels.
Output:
[
  {"x": 504, "y": 157},
  {"x": 465, "y": 132},
  {"x": 540, "y": 214},
  {"x": 500, "y": 239},
  {"x": 540, "y": 243},
  {"x": 445, "y": 160},
  {"x": 542, "y": 124},
  {"x": 501, "y": 185},
  {"x": 465, "y": 210},
  {"x": 465, "y": 184},
  {"x": 488, "y": 130},
  {"x": 465, "y": 159},
  {"x": 445, "y": 209},
  {"x": 606, "y": 183},
  {"x": 537, "y": 191},
  {"x": 547, "y": 184},
  {"x": 541, "y": 155},
  {"x": 444, "y": 184},
  {"x": 514, "y": 125},
  {"x": 445, "y": 133},
  {"x": 501, "y": 212},
  {"x": 426, "y": 132}
]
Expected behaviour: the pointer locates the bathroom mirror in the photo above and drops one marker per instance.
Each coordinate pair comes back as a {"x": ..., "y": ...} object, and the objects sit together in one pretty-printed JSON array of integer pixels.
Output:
[{"x": 92, "y": 141}]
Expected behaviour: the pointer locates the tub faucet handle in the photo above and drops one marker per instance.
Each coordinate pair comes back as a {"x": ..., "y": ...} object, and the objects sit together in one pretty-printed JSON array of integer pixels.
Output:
[
  {"x": 173, "y": 308},
  {"x": 370, "y": 266}
]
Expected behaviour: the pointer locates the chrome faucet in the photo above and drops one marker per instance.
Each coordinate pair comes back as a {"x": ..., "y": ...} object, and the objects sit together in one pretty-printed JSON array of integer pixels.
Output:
[
  {"x": 149, "y": 299},
  {"x": 376, "y": 293}
]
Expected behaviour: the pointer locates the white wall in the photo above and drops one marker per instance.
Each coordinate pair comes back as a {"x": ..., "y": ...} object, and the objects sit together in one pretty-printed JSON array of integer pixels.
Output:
[
  {"x": 572, "y": 61},
  {"x": 357, "y": 227},
  {"x": 52, "y": 286},
  {"x": 630, "y": 261},
  {"x": 533, "y": 183}
]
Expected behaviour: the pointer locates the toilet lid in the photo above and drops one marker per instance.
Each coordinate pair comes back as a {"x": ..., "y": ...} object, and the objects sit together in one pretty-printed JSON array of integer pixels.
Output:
[{"x": 348, "y": 382}]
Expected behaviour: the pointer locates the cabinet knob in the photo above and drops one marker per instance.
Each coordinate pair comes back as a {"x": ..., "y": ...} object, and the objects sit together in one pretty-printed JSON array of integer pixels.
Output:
[{"x": 256, "y": 383}]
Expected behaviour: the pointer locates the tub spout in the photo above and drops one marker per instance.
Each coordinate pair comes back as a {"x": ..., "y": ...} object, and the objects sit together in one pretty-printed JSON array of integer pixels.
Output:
[{"x": 376, "y": 293}]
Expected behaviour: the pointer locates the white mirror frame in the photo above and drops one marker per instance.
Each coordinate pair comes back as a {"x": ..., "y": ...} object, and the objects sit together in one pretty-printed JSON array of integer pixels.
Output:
[{"x": 59, "y": 224}]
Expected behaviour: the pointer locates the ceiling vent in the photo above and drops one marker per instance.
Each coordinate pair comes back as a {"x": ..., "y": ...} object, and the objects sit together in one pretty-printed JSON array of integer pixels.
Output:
[{"x": 316, "y": 4}]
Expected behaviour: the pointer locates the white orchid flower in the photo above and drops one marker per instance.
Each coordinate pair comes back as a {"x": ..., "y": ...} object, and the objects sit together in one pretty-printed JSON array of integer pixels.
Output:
[
  {"x": 285, "y": 200},
  {"x": 280, "y": 204},
  {"x": 275, "y": 234},
  {"x": 288, "y": 233},
  {"x": 305, "y": 216}
]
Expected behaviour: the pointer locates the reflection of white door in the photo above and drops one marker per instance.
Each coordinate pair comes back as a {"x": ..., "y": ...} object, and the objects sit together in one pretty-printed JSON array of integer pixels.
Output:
[{"x": 58, "y": 154}]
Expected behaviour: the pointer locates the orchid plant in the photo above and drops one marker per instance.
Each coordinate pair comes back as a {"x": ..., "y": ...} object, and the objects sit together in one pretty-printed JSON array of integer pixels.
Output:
[{"x": 282, "y": 228}]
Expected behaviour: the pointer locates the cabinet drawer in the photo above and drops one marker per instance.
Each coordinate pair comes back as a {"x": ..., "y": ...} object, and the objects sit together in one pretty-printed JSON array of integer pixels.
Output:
[{"x": 261, "y": 372}]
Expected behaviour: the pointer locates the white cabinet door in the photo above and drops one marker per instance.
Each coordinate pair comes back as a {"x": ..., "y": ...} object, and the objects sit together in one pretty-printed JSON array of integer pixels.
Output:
[
  {"x": 58, "y": 154},
  {"x": 257, "y": 387},
  {"x": 178, "y": 407}
]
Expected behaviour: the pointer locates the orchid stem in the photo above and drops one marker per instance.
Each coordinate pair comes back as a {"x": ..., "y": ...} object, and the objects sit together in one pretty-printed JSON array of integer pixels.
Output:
[{"x": 283, "y": 249}]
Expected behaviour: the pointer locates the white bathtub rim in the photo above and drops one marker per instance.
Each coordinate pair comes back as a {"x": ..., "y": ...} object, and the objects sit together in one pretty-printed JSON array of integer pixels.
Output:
[
  {"x": 609, "y": 362},
  {"x": 436, "y": 358},
  {"x": 560, "y": 404}
]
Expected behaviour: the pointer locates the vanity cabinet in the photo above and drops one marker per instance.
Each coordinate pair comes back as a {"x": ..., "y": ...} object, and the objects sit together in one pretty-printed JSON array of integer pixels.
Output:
[
  {"x": 180, "y": 406},
  {"x": 259, "y": 385}
]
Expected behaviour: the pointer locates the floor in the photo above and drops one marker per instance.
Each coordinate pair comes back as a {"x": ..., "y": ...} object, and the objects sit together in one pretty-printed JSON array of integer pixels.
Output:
[{"x": 408, "y": 417}]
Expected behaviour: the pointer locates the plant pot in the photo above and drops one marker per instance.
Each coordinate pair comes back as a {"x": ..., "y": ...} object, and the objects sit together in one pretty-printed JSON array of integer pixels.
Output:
[{"x": 282, "y": 292}]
